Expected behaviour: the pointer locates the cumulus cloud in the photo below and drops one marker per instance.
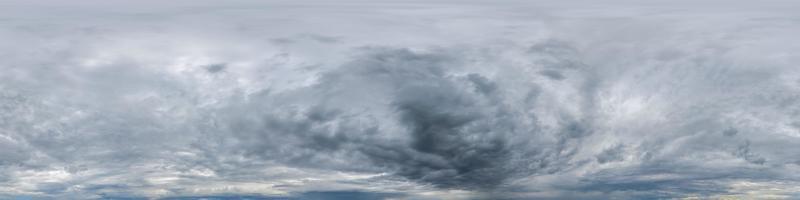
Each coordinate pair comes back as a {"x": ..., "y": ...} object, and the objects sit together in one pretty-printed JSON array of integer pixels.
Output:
[{"x": 399, "y": 100}]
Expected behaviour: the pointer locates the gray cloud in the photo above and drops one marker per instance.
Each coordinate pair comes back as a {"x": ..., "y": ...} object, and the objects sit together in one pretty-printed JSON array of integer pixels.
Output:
[{"x": 416, "y": 100}]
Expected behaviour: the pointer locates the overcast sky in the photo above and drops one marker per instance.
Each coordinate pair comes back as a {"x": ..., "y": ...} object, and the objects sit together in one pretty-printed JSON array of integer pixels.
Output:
[{"x": 606, "y": 99}]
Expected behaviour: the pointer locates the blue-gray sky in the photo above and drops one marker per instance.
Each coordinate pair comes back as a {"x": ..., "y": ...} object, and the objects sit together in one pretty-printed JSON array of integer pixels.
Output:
[{"x": 250, "y": 99}]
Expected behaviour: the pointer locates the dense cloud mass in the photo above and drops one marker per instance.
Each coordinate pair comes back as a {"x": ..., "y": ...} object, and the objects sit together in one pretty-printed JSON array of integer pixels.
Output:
[{"x": 399, "y": 100}]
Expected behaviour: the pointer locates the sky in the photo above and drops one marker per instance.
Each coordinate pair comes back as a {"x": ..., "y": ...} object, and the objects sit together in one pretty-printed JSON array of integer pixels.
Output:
[{"x": 390, "y": 99}]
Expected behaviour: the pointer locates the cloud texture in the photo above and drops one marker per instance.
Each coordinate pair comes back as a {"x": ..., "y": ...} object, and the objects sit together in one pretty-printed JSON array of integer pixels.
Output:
[{"x": 391, "y": 100}]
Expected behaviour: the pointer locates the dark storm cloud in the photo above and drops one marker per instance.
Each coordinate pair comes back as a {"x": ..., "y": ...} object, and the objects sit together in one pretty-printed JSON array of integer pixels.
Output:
[
  {"x": 450, "y": 138},
  {"x": 438, "y": 127},
  {"x": 450, "y": 143}
]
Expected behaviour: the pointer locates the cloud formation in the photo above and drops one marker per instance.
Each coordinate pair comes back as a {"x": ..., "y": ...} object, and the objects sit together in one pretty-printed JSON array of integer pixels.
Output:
[{"x": 390, "y": 100}]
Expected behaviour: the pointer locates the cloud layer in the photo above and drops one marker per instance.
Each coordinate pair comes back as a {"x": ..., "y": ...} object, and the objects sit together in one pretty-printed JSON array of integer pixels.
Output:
[{"x": 389, "y": 100}]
